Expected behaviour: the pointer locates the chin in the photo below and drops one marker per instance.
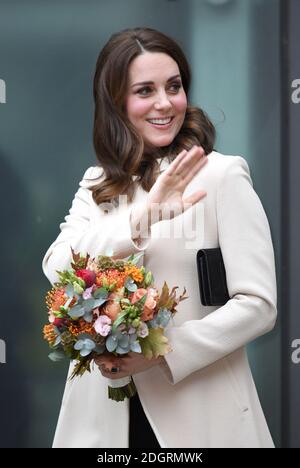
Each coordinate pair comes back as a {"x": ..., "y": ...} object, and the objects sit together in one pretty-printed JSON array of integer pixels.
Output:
[{"x": 160, "y": 142}]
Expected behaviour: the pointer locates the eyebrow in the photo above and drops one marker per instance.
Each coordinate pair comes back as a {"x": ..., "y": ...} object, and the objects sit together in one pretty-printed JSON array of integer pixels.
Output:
[{"x": 152, "y": 82}]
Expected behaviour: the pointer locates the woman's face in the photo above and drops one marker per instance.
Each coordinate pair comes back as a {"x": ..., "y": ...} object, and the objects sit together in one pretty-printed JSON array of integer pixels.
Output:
[{"x": 155, "y": 92}]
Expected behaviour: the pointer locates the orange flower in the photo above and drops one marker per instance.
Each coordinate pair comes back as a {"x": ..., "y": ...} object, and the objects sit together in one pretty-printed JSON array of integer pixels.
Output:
[
  {"x": 49, "y": 333},
  {"x": 81, "y": 327},
  {"x": 111, "y": 276},
  {"x": 135, "y": 273},
  {"x": 112, "y": 308},
  {"x": 55, "y": 298}
]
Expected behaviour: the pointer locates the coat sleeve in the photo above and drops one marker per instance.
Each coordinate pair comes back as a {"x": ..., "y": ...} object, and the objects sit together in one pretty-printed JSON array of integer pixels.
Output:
[
  {"x": 245, "y": 241},
  {"x": 78, "y": 232}
]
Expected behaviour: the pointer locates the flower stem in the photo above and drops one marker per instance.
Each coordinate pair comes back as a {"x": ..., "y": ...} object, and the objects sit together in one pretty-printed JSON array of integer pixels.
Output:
[{"x": 119, "y": 394}]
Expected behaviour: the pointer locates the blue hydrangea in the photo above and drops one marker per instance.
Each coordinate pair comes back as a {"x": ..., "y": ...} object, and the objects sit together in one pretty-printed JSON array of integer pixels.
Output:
[
  {"x": 162, "y": 319},
  {"x": 123, "y": 343},
  {"x": 85, "y": 345}
]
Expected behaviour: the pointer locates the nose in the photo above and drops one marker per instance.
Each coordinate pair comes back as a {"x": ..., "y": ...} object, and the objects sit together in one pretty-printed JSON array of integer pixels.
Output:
[{"x": 162, "y": 101}]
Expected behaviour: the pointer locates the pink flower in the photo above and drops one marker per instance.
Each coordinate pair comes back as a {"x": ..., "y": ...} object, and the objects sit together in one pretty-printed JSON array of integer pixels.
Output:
[
  {"x": 143, "y": 330},
  {"x": 137, "y": 295},
  {"x": 150, "y": 304},
  {"x": 103, "y": 325},
  {"x": 51, "y": 317},
  {"x": 87, "y": 294}
]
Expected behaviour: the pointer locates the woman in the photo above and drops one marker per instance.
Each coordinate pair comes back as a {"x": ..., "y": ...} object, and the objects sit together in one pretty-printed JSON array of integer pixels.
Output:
[{"x": 157, "y": 150}]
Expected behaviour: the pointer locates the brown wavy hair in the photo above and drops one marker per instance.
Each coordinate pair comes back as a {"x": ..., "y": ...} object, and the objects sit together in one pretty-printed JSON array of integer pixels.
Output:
[{"x": 119, "y": 148}]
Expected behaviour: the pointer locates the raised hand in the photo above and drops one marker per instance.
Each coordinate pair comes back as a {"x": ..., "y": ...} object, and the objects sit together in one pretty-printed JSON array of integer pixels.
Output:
[
  {"x": 167, "y": 192},
  {"x": 165, "y": 199}
]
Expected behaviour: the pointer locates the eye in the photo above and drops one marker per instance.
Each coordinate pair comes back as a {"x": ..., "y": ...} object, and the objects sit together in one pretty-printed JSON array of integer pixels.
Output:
[
  {"x": 141, "y": 91},
  {"x": 176, "y": 86},
  {"x": 146, "y": 89}
]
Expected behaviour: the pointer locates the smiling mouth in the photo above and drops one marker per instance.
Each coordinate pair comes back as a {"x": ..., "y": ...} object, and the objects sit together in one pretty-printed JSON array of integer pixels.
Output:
[{"x": 161, "y": 122}]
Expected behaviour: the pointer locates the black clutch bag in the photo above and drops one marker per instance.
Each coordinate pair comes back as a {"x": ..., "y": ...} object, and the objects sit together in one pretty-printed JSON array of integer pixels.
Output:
[{"x": 212, "y": 277}]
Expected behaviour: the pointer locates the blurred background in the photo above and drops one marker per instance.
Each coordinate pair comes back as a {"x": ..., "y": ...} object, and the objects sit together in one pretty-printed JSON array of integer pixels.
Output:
[{"x": 242, "y": 54}]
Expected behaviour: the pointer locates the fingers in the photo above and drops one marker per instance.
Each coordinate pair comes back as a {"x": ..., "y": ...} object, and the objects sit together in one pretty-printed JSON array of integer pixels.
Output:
[
  {"x": 188, "y": 163},
  {"x": 103, "y": 367},
  {"x": 185, "y": 161},
  {"x": 110, "y": 371},
  {"x": 196, "y": 168},
  {"x": 114, "y": 373},
  {"x": 106, "y": 363},
  {"x": 173, "y": 166}
]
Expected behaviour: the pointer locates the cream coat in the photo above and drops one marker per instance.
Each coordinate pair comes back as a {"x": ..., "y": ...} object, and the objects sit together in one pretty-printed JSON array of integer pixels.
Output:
[{"x": 205, "y": 395}]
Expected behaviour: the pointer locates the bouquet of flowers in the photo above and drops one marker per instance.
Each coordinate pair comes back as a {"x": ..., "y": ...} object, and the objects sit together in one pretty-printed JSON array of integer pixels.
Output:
[{"x": 106, "y": 305}]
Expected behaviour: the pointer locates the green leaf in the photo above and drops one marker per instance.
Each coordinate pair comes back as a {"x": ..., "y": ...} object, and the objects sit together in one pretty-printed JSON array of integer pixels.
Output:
[
  {"x": 76, "y": 311},
  {"x": 83, "y": 365},
  {"x": 56, "y": 355},
  {"x": 70, "y": 290},
  {"x": 130, "y": 258},
  {"x": 99, "y": 302},
  {"x": 135, "y": 258},
  {"x": 141, "y": 301},
  {"x": 119, "y": 320},
  {"x": 130, "y": 285},
  {"x": 125, "y": 301},
  {"x": 57, "y": 314},
  {"x": 148, "y": 279},
  {"x": 78, "y": 289},
  {"x": 88, "y": 304},
  {"x": 88, "y": 316},
  {"x": 100, "y": 293},
  {"x": 155, "y": 344},
  {"x": 57, "y": 341}
]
